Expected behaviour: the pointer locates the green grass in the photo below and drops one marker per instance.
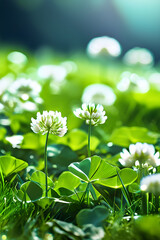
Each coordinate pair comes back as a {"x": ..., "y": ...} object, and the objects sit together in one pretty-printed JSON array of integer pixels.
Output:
[{"x": 74, "y": 195}]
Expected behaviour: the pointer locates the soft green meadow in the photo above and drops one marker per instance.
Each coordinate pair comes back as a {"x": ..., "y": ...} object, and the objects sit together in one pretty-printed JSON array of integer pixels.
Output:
[{"x": 78, "y": 178}]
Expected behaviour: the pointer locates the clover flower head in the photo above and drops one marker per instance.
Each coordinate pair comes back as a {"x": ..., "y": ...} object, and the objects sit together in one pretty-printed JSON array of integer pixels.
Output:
[
  {"x": 17, "y": 58},
  {"x": 99, "y": 93},
  {"x": 9, "y": 101},
  {"x": 139, "y": 56},
  {"x": 91, "y": 113},
  {"x": 140, "y": 154},
  {"x": 154, "y": 80},
  {"x": 55, "y": 72},
  {"x": 151, "y": 184},
  {"x": 5, "y": 82},
  {"x": 134, "y": 82},
  {"x": 104, "y": 46},
  {"x": 69, "y": 66},
  {"x": 15, "y": 140},
  {"x": 49, "y": 121},
  {"x": 25, "y": 88}
]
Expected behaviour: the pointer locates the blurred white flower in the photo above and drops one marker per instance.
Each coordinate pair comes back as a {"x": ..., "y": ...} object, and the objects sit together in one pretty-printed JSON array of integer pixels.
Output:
[
  {"x": 57, "y": 73},
  {"x": 91, "y": 113},
  {"x": 16, "y": 98},
  {"x": 28, "y": 106},
  {"x": 138, "y": 56},
  {"x": 13, "y": 103},
  {"x": 70, "y": 66},
  {"x": 5, "y": 82},
  {"x": 17, "y": 58},
  {"x": 140, "y": 154},
  {"x": 151, "y": 184},
  {"x": 10, "y": 101},
  {"x": 15, "y": 140},
  {"x": 99, "y": 94},
  {"x": 105, "y": 46},
  {"x": 25, "y": 88},
  {"x": 132, "y": 81},
  {"x": 1, "y": 107},
  {"x": 49, "y": 121},
  {"x": 154, "y": 80}
]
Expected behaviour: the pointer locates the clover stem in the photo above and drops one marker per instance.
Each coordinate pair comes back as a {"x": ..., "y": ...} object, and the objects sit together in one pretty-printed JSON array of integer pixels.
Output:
[
  {"x": 141, "y": 173},
  {"x": 45, "y": 160},
  {"x": 145, "y": 203},
  {"x": 87, "y": 192},
  {"x": 144, "y": 195},
  {"x": 89, "y": 136},
  {"x": 156, "y": 203}
]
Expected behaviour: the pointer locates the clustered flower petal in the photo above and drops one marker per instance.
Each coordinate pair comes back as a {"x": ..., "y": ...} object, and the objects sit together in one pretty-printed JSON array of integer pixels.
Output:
[
  {"x": 49, "y": 121},
  {"x": 91, "y": 113},
  {"x": 151, "y": 184},
  {"x": 140, "y": 154},
  {"x": 25, "y": 88}
]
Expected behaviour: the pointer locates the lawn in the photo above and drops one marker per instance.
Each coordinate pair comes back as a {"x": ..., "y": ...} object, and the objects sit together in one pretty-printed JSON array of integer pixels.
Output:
[{"x": 79, "y": 146}]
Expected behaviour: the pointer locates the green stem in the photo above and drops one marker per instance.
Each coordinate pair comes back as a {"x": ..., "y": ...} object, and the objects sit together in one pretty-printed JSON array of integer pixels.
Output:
[
  {"x": 84, "y": 194},
  {"x": 144, "y": 195},
  {"x": 89, "y": 136},
  {"x": 125, "y": 193},
  {"x": 145, "y": 203},
  {"x": 156, "y": 203},
  {"x": 151, "y": 197},
  {"x": 87, "y": 192},
  {"x": 45, "y": 160},
  {"x": 141, "y": 173}
]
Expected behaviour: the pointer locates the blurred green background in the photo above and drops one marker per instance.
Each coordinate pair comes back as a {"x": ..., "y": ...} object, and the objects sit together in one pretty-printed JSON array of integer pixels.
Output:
[
  {"x": 69, "y": 25},
  {"x": 50, "y": 42}
]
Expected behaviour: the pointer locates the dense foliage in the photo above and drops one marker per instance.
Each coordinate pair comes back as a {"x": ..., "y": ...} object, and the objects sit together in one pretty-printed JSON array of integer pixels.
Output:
[{"x": 88, "y": 197}]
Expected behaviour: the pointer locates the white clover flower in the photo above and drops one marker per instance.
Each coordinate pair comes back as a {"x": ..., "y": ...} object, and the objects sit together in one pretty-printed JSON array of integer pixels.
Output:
[
  {"x": 5, "y": 82},
  {"x": 105, "y": 46},
  {"x": 25, "y": 88},
  {"x": 151, "y": 184},
  {"x": 70, "y": 66},
  {"x": 91, "y": 113},
  {"x": 138, "y": 56},
  {"x": 10, "y": 101},
  {"x": 154, "y": 80},
  {"x": 140, "y": 154},
  {"x": 17, "y": 58},
  {"x": 49, "y": 121},
  {"x": 57, "y": 73},
  {"x": 28, "y": 106},
  {"x": 132, "y": 81},
  {"x": 99, "y": 93},
  {"x": 15, "y": 140},
  {"x": 13, "y": 103}
]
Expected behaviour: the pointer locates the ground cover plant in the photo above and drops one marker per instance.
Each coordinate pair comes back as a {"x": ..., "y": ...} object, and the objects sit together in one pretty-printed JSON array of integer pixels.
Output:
[{"x": 79, "y": 156}]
